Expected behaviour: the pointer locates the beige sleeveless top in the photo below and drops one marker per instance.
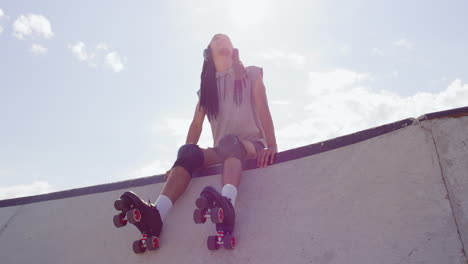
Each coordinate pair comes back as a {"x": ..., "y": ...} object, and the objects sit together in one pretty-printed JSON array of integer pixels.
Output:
[{"x": 238, "y": 120}]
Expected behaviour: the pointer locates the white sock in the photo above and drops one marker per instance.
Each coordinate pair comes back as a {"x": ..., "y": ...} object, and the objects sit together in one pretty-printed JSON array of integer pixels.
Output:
[
  {"x": 230, "y": 191},
  {"x": 164, "y": 205}
]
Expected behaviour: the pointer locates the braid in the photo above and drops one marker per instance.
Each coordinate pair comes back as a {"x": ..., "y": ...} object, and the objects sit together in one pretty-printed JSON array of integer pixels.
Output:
[
  {"x": 240, "y": 76},
  {"x": 208, "y": 87}
]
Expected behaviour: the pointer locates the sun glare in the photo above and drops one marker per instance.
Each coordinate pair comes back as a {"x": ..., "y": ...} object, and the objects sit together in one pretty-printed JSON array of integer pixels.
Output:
[{"x": 245, "y": 13}]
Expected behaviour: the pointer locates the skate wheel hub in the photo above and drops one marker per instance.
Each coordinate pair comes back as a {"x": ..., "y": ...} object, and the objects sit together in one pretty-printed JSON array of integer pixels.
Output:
[{"x": 137, "y": 215}]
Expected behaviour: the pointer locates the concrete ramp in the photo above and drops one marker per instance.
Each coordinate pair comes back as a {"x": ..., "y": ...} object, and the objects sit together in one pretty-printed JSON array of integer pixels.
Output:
[{"x": 391, "y": 194}]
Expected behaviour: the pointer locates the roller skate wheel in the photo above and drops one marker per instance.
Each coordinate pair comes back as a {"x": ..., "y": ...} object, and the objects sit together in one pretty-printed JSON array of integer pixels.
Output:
[
  {"x": 217, "y": 215},
  {"x": 119, "y": 220},
  {"x": 134, "y": 216},
  {"x": 152, "y": 243},
  {"x": 212, "y": 243},
  {"x": 199, "y": 216},
  {"x": 122, "y": 204},
  {"x": 138, "y": 247},
  {"x": 202, "y": 202},
  {"x": 229, "y": 242}
]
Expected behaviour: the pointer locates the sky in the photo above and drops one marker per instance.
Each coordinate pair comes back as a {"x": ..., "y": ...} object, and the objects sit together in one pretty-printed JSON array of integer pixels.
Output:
[{"x": 94, "y": 92}]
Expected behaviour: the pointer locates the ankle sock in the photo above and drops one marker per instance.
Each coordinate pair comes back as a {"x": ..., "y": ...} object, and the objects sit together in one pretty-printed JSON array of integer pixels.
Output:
[
  {"x": 164, "y": 205},
  {"x": 230, "y": 191}
]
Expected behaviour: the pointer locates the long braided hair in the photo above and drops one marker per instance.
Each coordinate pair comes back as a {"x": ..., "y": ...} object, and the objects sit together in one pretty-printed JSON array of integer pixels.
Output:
[{"x": 208, "y": 87}]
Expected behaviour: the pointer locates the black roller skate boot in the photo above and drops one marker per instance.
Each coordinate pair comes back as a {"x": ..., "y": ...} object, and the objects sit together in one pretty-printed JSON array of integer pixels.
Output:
[
  {"x": 211, "y": 204},
  {"x": 144, "y": 216}
]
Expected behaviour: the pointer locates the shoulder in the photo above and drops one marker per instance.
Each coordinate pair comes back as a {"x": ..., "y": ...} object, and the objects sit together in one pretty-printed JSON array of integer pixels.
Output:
[{"x": 254, "y": 72}]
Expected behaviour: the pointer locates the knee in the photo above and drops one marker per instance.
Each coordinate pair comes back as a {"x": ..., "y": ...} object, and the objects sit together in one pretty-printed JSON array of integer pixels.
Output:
[
  {"x": 190, "y": 157},
  {"x": 231, "y": 147}
]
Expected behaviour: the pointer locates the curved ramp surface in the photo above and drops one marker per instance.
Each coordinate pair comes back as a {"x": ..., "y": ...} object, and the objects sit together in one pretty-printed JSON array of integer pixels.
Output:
[{"x": 391, "y": 194}]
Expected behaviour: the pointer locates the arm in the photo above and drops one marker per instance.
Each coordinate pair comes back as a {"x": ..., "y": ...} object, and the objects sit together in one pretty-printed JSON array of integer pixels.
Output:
[
  {"x": 196, "y": 126},
  {"x": 263, "y": 110}
]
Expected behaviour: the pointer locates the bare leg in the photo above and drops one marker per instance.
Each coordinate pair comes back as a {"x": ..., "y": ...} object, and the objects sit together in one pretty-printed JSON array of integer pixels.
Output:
[
  {"x": 233, "y": 166},
  {"x": 176, "y": 183},
  {"x": 232, "y": 171}
]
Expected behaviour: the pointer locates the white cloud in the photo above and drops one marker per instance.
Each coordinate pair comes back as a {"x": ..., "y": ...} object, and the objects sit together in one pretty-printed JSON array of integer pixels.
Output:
[
  {"x": 377, "y": 52},
  {"x": 1, "y": 29},
  {"x": 335, "y": 81},
  {"x": 280, "y": 58},
  {"x": 80, "y": 52},
  {"x": 32, "y": 25},
  {"x": 39, "y": 187},
  {"x": 97, "y": 56},
  {"x": 343, "y": 102},
  {"x": 404, "y": 43},
  {"x": 37, "y": 49},
  {"x": 115, "y": 61}
]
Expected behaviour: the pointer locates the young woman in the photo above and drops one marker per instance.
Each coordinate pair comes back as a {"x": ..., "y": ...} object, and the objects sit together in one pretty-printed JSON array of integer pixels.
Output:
[{"x": 234, "y": 99}]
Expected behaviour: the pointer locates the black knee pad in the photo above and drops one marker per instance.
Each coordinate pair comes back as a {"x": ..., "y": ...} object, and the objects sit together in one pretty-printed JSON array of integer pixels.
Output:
[
  {"x": 190, "y": 157},
  {"x": 231, "y": 146}
]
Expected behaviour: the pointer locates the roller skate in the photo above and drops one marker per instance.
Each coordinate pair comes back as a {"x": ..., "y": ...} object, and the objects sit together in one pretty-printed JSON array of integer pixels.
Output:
[
  {"x": 144, "y": 216},
  {"x": 212, "y": 205}
]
